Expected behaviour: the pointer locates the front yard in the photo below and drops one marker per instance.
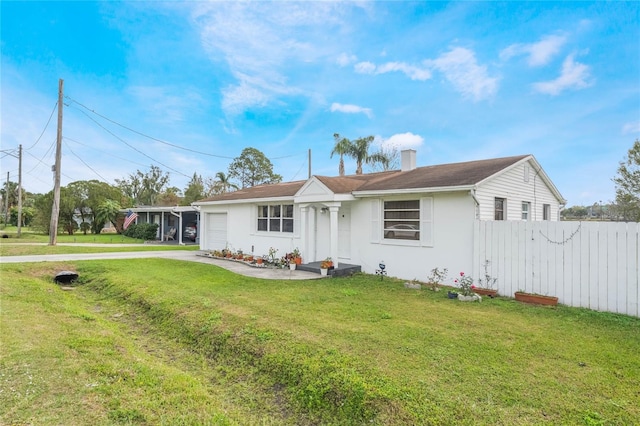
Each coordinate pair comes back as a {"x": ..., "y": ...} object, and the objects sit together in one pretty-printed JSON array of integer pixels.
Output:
[{"x": 157, "y": 341}]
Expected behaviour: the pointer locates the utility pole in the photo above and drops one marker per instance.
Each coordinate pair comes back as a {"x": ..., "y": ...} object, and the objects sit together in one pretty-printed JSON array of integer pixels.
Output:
[
  {"x": 6, "y": 207},
  {"x": 55, "y": 209},
  {"x": 19, "y": 190},
  {"x": 6, "y": 202}
]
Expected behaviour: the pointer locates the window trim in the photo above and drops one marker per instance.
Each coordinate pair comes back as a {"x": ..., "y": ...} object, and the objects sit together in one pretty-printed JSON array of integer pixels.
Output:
[
  {"x": 268, "y": 219},
  {"x": 502, "y": 211},
  {"x": 546, "y": 212},
  {"x": 426, "y": 215},
  {"x": 526, "y": 212},
  {"x": 401, "y": 221}
]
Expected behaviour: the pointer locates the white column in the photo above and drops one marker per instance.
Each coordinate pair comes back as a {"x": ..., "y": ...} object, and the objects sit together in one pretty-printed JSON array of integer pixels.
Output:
[
  {"x": 333, "y": 210},
  {"x": 311, "y": 240},
  {"x": 304, "y": 234}
]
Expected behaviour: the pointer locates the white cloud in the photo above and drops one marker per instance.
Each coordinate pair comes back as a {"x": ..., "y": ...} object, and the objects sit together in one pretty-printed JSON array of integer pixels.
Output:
[
  {"x": 365, "y": 68},
  {"x": 165, "y": 104},
  {"x": 630, "y": 128},
  {"x": 461, "y": 69},
  {"x": 413, "y": 72},
  {"x": 351, "y": 109},
  {"x": 401, "y": 141},
  {"x": 540, "y": 53},
  {"x": 238, "y": 97},
  {"x": 574, "y": 76},
  {"x": 343, "y": 59},
  {"x": 259, "y": 43}
]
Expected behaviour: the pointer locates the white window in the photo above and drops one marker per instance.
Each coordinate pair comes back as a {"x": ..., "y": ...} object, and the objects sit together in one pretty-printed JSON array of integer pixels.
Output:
[
  {"x": 546, "y": 212},
  {"x": 500, "y": 207},
  {"x": 402, "y": 220},
  {"x": 275, "y": 218},
  {"x": 526, "y": 210}
]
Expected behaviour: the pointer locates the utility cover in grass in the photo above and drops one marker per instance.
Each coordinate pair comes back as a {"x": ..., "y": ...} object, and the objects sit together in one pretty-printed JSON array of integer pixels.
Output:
[{"x": 65, "y": 277}]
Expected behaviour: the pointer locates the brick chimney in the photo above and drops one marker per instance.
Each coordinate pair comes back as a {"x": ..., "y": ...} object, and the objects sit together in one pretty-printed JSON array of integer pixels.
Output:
[{"x": 408, "y": 159}]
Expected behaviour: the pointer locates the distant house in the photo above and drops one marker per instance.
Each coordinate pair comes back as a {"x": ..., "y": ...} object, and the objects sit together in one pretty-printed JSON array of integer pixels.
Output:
[
  {"x": 413, "y": 219},
  {"x": 167, "y": 217}
]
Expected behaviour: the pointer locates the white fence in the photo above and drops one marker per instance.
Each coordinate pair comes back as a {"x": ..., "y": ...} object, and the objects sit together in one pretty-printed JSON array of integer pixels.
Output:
[{"x": 585, "y": 264}]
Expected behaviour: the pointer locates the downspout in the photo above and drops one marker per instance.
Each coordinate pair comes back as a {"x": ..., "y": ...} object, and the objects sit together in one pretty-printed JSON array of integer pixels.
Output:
[
  {"x": 474, "y": 234},
  {"x": 475, "y": 199},
  {"x": 179, "y": 216}
]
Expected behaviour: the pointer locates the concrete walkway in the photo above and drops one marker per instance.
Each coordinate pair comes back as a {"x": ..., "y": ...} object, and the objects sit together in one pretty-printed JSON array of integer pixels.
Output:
[{"x": 186, "y": 255}]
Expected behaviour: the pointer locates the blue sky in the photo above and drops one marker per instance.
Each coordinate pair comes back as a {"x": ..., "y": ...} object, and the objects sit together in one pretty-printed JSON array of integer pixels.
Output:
[{"x": 455, "y": 81}]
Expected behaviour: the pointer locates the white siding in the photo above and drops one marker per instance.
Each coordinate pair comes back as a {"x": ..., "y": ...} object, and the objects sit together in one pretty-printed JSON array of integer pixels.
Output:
[
  {"x": 242, "y": 234},
  {"x": 452, "y": 239},
  {"x": 513, "y": 186}
]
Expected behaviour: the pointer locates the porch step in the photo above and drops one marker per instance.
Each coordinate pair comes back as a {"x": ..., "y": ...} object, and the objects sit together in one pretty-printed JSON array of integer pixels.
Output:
[{"x": 344, "y": 269}]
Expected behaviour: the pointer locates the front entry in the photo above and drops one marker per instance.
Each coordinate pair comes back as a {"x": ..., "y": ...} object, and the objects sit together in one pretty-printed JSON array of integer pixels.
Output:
[{"x": 344, "y": 233}]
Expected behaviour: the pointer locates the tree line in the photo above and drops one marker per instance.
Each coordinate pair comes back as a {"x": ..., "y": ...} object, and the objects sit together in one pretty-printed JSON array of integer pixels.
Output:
[
  {"x": 94, "y": 204},
  {"x": 88, "y": 206}
]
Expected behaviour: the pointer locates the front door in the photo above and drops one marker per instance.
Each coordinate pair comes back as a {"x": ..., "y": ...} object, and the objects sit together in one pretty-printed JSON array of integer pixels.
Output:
[{"x": 344, "y": 233}]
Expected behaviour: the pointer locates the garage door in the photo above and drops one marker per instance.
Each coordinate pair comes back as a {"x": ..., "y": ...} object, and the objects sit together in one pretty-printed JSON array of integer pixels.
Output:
[{"x": 216, "y": 231}]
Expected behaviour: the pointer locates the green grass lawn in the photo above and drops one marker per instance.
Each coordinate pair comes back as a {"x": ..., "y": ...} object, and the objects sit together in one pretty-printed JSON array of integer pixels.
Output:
[
  {"x": 154, "y": 341},
  {"x": 30, "y": 236},
  {"x": 32, "y": 243},
  {"x": 25, "y": 249}
]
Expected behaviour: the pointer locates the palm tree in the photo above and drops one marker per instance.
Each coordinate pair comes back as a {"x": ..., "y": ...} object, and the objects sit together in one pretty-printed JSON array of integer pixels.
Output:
[
  {"x": 360, "y": 152},
  {"x": 223, "y": 183},
  {"x": 108, "y": 211},
  {"x": 342, "y": 147}
]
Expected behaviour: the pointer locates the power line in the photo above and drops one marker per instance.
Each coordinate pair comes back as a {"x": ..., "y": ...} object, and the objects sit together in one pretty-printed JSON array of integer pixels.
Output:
[
  {"x": 299, "y": 170},
  {"x": 104, "y": 152},
  {"x": 160, "y": 140},
  {"x": 131, "y": 146},
  {"x": 45, "y": 127},
  {"x": 145, "y": 135},
  {"x": 83, "y": 162},
  {"x": 40, "y": 160}
]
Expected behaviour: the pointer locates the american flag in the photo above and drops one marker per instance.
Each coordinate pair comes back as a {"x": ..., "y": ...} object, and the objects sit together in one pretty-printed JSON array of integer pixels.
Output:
[{"x": 128, "y": 220}]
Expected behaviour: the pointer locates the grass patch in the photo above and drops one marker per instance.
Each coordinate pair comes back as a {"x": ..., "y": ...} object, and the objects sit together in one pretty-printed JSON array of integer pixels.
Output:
[
  {"x": 339, "y": 351},
  {"x": 30, "y": 236},
  {"x": 26, "y": 249}
]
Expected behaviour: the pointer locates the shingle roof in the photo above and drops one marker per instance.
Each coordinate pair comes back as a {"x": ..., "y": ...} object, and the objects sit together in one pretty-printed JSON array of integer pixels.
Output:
[
  {"x": 284, "y": 189},
  {"x": 443, "y": 175},
  {"x": 438, "y": 176}
]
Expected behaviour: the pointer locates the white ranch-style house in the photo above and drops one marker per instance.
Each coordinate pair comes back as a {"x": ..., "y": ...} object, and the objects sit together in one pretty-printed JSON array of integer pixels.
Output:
[{"x": 414, "y": 219}]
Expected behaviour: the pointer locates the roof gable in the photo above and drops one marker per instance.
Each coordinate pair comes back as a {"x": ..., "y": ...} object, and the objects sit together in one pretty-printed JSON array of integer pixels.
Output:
[{"x": 313, "y": 187}]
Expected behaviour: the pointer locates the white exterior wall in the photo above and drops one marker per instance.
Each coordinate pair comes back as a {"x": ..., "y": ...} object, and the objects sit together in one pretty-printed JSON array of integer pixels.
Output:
[
  {"x": 512, "y": 186},
  {"x": 452, "y": 248},
  {"x": 242, "y": 234}
]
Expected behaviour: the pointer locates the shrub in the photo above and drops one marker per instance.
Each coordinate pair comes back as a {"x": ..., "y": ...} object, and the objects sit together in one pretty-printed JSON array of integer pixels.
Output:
[{"x": 142, "y": 231}]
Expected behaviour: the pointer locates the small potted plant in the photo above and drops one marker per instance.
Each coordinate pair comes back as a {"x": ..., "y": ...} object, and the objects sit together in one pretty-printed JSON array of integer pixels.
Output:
[
  {"x": 296, "y": 256},
  {"x": 466, "y": 289},
  {"x": 325, "y": 265}
]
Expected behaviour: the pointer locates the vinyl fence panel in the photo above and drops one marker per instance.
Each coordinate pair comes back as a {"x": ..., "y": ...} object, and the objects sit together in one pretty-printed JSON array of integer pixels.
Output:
[{"x": 585, "y": 264}]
